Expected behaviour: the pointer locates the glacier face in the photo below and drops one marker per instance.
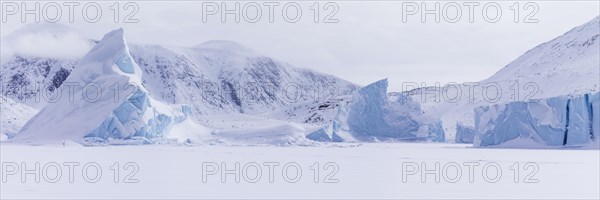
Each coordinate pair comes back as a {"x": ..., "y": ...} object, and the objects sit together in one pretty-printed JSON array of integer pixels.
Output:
[
  {"x": 556, "y": 121},
  {"x": 126, "y": 112},
  {"x": 372, "y": 115}
]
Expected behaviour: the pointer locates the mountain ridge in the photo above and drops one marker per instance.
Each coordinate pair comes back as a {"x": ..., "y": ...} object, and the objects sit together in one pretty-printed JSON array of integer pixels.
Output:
[{"x": 566, "y": 65}]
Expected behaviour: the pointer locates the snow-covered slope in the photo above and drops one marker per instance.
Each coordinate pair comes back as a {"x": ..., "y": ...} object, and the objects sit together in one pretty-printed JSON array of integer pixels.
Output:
[
  {"x": 372, "y": 115},
  {"x": 566, "y": 65},
  {"x": 13, "y": 115},
  {"x": 311, "y": 112},
  {"x": 224, "y": 76},
  {"x": 34, "y": 80},
  {"x": 117, "y": 107},
  {"x": 36, "y": 59}
]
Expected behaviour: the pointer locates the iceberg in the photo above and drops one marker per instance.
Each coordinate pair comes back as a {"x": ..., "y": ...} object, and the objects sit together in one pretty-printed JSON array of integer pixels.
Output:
[
  {"x": 373, "y": 116},
  {"x": 327, "y": 133},
  {"x": 595, "y": 107},
  {"x": 116, "y": 108},
  {"x": 464, "y": 133},
  {"x": 557, "y": 121}
]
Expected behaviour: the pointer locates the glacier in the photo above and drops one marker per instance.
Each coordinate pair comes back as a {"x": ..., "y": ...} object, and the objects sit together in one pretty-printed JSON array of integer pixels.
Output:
[
  {"x": 120, "y": 109},
  {"x": 373, "y": 116},
  {"x": 571, "y": 121}
]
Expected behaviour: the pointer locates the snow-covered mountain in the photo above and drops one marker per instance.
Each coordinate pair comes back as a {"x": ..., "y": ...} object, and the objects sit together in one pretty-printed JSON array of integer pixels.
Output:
[
  {"x": 225, "y": 86},
  {"x": 32, "y": 67},
  {"x": 33, "y": 80},
  {"x": 566, "y": 65},
  {"x": 224, "y": 76},
  {"x": 216, "y": 77}
]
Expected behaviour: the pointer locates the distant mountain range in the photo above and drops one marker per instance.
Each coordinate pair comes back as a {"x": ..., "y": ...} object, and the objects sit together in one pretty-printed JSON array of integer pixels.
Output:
[
  {"x": 224, "y": 77},
  {"x": 213, "y": 77}
]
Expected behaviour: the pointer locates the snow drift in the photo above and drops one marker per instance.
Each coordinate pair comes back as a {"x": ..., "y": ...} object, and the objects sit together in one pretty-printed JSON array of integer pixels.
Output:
[
  {"x": 106, "y": 100},
  {"x": 372, "y": 116},
  {"x": 557, "y": 121}
]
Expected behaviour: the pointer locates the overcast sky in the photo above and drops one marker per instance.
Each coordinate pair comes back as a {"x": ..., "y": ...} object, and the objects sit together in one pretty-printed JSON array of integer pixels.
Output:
[{"x": 370, "y": 41}]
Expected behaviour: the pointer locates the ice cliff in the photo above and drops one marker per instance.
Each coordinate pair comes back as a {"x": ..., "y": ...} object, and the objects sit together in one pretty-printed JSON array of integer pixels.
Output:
[
  {"x": 373, "y": 116},
  {"x": 556, "y": 121},
  {"x": 464, "y": 133}
]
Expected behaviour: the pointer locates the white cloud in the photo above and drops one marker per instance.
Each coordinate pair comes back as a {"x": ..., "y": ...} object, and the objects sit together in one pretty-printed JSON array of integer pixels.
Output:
[
  {"x": 369, "y": 42},
  {"x": 67, "y": 45}
]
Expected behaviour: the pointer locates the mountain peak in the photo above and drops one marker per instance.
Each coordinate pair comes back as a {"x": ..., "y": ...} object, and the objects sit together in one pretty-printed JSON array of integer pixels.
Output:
[
  {"x": 572, "y": 56},
  {"x": 226, "y": 46}
]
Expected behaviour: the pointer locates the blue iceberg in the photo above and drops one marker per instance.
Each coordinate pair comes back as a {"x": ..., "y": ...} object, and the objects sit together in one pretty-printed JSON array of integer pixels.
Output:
[
  {"x": 464, "y": 134},
  {"x": 556, "y": 121},
  {"x": 372, "y": 115},
  {"x": 128, "y": 119}
]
